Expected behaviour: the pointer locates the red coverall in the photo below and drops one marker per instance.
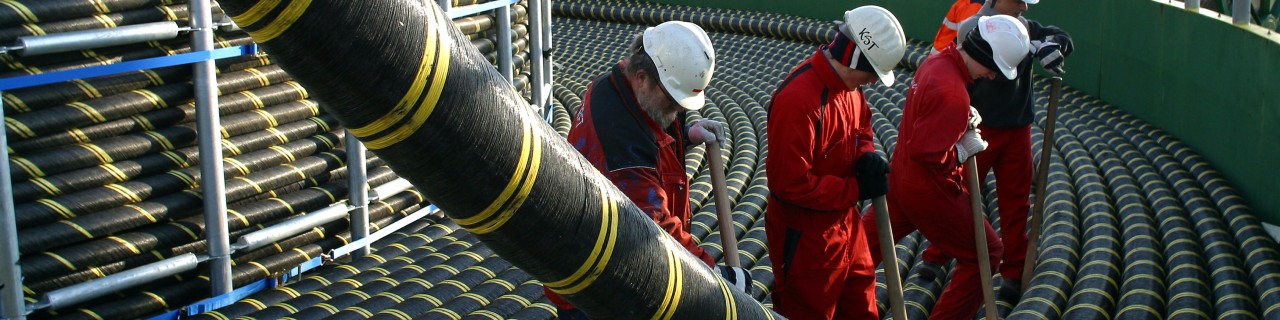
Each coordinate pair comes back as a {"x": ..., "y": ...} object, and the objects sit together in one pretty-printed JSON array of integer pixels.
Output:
[
  {"x": 927, "y": 188},
  {"x": 644, "y": 161},
  {"x": 961, "y": 10},
  {"x": 821, "y": 262}
]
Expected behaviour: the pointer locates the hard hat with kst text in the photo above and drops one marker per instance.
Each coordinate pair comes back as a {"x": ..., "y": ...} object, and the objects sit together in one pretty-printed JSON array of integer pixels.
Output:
[{"x": 878, "y": 36}]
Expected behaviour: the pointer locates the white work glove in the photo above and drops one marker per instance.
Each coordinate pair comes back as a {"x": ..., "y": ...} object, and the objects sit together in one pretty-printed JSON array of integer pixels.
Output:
[
  {"x": 707, "y": 130},
  {"x": 1050, "y": 55},
  {"x": 736, "y": 277},
  {"x": 970, "y": 143},
  {"x": 974, "y": 118}
]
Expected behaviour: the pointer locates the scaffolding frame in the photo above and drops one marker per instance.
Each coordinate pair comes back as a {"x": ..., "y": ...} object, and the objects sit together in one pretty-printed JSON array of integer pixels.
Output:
[{"x": 204, "y": 81}]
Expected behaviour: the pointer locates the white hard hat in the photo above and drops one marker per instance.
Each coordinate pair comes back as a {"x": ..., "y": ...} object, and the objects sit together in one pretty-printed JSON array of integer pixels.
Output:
[
  {"x": 684, "y": 58},
  {"x": 879, "y": 36},
  {"x": 1009, "y": 42},
  {"x": 1031, "y": 1}
]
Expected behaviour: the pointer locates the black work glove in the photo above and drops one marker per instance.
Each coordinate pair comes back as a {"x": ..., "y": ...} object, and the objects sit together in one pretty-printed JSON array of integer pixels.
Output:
[
  {"x": 1050, "y": 54},
  {"x": 873, "y": 176}
]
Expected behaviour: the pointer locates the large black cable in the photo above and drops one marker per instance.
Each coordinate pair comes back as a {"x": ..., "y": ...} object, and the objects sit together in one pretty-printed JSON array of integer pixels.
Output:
[{"x": 414, "y": 140}]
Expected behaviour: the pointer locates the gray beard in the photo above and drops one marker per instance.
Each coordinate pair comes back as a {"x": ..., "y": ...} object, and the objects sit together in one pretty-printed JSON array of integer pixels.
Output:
[{"x": 657, "y": 112}]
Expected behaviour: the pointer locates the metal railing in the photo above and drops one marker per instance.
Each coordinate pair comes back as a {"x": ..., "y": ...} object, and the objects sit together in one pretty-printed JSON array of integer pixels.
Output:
[
  {"x": 12, "y": 305},
  {"x": 1266, "y": 14}
]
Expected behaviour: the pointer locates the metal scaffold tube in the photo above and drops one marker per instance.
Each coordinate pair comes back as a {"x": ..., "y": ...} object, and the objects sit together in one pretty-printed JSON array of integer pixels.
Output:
[
  {"x": 85, "y": 291},
  {"x": 1240, "y": 11},
  {"x": 96, "y": 38},
  {"x": 11, "y": 304},
  {"x": 358, "y": 187},
  {"x": 536, "y": 34},
  {"x": 210, "y": 145},
  {"x": 544, "y": 95},
  {"x": 504, "y": 43}
]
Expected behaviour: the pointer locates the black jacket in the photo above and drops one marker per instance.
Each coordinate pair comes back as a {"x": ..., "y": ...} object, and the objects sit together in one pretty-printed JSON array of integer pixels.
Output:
[{"x": 1007, "y": 103}]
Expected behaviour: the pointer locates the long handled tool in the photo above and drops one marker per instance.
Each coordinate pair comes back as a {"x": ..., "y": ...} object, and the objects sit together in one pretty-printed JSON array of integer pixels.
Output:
[
  {"x": 980, "y": 238},
  {"x": 891, "y": 277},
  {"x": 728, "y": 235},
  {"x": 1042, "y": 177}
]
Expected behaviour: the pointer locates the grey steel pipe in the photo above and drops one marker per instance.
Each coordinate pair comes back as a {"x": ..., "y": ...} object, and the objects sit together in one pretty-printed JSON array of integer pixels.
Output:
[
  {"x": 81, "y": 292},
  {"x": 1192, "y": 5},
  {"x": 504, "y": 43},
  {"x": 97, "y": 38},
  {"x": 210, "y": 146},
  {"x": 395, "y": 186},
  {"x": 1240, "y": 11},
  {"x": 292, "y": 227},
  {"x": 11, "y": 304},
  {"x": 535, "y": 55},
  {"x": 358, "y": 192},
  {"x": 548, "y": 48}
]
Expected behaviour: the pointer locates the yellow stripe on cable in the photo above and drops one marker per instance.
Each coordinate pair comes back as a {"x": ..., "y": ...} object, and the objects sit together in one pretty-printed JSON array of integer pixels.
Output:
[
  {"x": 16, "y": 102},
  {"x": 671, "y": 299},
  {"x": 601, "y": 252},
  {"x": 256, "y": 12},
  {"x": 56, "y": 206},
  {"x": 283, "y": 21},
  {"x": 527, "y": 182},
  {"x": 77, "y": 227},
  {"x": 22, "y": 10},
  {"x": 436, "y": 48},
  {"x": 18, "y": 127}
]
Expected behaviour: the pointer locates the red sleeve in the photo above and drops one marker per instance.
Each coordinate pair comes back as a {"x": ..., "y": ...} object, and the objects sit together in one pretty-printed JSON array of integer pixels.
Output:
[
  {"x": 865, "y": 144},
  {"x": 792, "y": 121},
  {"x": 642, "y": 186},
  {"x": 944, "y": 116}
]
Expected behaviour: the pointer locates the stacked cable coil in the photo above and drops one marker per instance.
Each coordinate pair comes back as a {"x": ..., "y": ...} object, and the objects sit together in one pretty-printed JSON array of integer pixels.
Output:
[
  {"x": 1137, "y": 225},
  {"x": 106, "y": 170}
]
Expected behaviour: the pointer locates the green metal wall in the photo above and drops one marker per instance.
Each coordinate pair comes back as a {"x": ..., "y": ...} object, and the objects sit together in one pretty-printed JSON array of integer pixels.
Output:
[{"x": 1212, "y": 84}]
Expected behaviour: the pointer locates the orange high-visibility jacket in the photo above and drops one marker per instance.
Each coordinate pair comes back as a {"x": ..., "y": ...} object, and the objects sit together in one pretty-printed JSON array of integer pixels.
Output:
[{"x": 961, "y": 10}]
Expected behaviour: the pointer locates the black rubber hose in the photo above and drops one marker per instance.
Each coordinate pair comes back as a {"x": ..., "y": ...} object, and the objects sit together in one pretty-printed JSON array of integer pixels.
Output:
[
  {"x": 34, "y": 11},
  {"x": 445, "y": 263},
  {"x": 813, "y": 33},
  {"x": 35, "y": 98},
  {"x": 439, "y": 239},
  {"x": 168, "y": 235},
  {"x": 1093, "y": 294},
  {"x": 187, "y": 291},
  {"x": 415, "y": 136}
]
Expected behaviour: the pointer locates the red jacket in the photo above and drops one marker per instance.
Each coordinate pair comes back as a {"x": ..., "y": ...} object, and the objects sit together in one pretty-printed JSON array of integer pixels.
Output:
[
  {"x": 644, "y": 161},
  {"x": 817, "y": 129},
  {"x": 933, "y": 119}
]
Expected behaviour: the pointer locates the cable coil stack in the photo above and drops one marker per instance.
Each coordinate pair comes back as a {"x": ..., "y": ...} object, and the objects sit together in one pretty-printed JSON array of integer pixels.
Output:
[
  {"x": 106, "y": 170},
  {"x": 106, "y": 173}
]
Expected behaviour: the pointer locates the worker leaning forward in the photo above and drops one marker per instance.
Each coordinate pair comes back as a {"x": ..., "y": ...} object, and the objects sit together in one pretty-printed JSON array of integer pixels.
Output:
[
  {"x": 1006, "y": 106},
  {"x": 928, "y": 190},
  {"x": 821, "y": 162},
  {"x": 631, "y": 127}
]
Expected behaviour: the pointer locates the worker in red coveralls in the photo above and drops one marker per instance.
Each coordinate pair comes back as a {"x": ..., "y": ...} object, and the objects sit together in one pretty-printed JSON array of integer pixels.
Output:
[
  {"x": 1007, "y": 107},
  {"x": 821, "y": 163},
  {"x": 631, "y": 127},
  {"x": 928, "y": 187}
]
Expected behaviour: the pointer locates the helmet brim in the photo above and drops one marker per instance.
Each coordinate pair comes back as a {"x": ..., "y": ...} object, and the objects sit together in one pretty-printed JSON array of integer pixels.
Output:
[{"x": 690, "y": 102}]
